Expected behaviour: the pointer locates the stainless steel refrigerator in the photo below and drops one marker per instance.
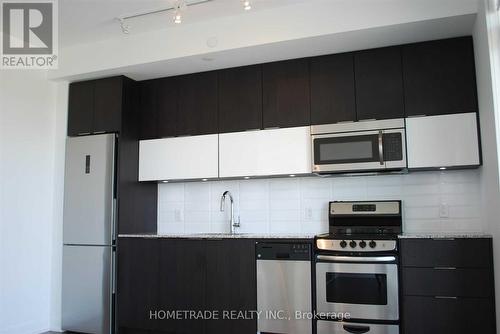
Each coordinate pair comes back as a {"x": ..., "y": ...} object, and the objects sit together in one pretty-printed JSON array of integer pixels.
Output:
[{"x": 89, "y": 234}]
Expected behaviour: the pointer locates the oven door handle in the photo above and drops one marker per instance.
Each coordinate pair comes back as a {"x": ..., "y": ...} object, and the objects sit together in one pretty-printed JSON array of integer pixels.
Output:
[
  {"x": 356, "y": 329},
  {"x": 356, "y": 258}
]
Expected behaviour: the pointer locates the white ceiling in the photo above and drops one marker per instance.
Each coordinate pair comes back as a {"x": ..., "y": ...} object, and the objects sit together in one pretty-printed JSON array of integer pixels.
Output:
[
  {"x": 93, "y": 45},
  {"x": 86, "y": 21}
]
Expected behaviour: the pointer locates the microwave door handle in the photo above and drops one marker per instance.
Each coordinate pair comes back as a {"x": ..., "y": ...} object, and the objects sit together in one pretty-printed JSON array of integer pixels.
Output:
[
  {"x": 381, "y": 147},
  {"x": 355, "y": 329}
]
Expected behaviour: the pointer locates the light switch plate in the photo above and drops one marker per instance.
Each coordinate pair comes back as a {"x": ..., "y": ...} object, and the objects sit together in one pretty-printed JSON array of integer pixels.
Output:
[
  {"x": 444, "y": 210},
  {"x": 308, "y": 214},
  {"x": 178, "y": 215}
]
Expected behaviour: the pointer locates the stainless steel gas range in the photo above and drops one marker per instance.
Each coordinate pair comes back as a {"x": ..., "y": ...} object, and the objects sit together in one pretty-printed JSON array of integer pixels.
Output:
[{"x": 356, "y": 266}]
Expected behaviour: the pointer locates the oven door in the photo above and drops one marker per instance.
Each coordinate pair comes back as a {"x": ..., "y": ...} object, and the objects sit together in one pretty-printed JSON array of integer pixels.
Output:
[
  {"x": 366, "y": 150},
  {"x": 364, "y": 290}
]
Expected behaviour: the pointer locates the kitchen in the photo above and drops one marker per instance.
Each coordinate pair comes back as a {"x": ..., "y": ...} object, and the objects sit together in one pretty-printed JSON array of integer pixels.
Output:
[{"x": 342, "y": 184}]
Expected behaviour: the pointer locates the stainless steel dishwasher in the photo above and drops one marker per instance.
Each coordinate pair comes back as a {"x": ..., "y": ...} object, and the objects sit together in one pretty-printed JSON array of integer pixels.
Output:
[{"x": 284, "y": 287}]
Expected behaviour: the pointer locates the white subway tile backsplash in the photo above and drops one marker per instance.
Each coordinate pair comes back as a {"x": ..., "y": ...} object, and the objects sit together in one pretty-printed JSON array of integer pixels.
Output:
[
  {"x": 174, "y": 192},
  {"x": 166, "y": 228},
  {"x": 197, "y": 192},
  {"x": 191, "y": 228},
  {"x": 284, "y": 226},
  {"x": 300, "y": 205}
]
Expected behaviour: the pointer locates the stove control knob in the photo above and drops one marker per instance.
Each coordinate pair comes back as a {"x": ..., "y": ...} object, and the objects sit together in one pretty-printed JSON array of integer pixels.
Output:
[
  {"x": 352, "y": 244},
  {"x": 362, "y": 244},
  {"x": 372, "y": 244},
  {"x": 343, "y": 244}
]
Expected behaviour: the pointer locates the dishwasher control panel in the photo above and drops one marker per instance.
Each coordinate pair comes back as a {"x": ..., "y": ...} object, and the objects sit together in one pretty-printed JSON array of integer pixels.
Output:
[{"x": 283, "y": 251}]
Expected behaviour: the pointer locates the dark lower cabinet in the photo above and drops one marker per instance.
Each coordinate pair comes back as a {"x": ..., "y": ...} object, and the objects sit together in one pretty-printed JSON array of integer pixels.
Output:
[
  {"x": 437, "y": 315},
  {"x": 379, "y": 84},
  {"x": 165, "y": 275},
  {"x": 439, "y": 77},
  {"x": 286, "y": 101},
  {"x": 231, "y": 285},
  {"x": 332, "y": 89},
  {"x": 183, "y": 275},
  {"x": 457, "y": 253},
  {"x": 138, "y": 282},
  {"x": 447, "y": 286},
  {"x": 448, "y": 281}
]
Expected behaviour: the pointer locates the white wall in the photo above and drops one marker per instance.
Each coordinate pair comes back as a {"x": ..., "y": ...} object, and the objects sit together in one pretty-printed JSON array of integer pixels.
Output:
[
  {"x": 61, "y": 108},
  {"x": 300, "y": 205},
  {"x": 27, "y": 137},
  {"x": 486, "y": 39}
]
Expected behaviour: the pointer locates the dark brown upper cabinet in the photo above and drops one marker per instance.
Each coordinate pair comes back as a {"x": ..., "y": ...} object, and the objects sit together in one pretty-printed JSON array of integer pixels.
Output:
[
  {"x": 148, "y": 111},
  {"x": 439, "y": 77},
  {"x": 286, "y": 93},
  {"x": 167, "y": 104},
  {"x": 197, "y": 104},
  {"x": 80, "y": 108},
  {"x": 108, "y": 104},
  {"x": 379, "y": 84},
  {"x": 332, "y": 89},
  {"x": 95, "y": 106},
  {"x": 240, "y": 99}
]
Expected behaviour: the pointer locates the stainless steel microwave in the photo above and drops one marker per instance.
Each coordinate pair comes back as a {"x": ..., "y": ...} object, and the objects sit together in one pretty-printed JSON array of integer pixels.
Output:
[{"x": 359, "y": 146}]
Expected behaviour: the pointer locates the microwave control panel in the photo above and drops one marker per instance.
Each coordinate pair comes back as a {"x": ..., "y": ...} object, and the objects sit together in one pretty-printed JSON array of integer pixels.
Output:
[{"x": 393, "y": 146}]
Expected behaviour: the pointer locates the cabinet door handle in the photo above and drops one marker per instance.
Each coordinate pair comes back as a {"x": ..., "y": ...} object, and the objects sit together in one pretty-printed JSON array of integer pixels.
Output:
[
  {"x": 83, "y": 133},
  {"x": 445, "y": 268},
  {"x": 99, "y": 132},
  {"x": 355, "y": 329},
  {"x": 445, "y": 297}
]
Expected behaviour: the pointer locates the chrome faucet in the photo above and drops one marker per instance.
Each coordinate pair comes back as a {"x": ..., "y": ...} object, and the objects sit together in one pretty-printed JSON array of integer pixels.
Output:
[{"x": 232, "y": 223}]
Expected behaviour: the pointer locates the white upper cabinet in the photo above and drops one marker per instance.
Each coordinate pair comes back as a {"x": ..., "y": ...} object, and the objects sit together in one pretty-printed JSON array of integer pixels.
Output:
[
  {"x": 443, "y": 141},
  {"x": 266, "y": 152},
  {"x": 180, "y": 158}
]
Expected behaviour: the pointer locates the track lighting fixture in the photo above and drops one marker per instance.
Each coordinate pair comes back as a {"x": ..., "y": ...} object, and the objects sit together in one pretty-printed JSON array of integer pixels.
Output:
[
  {"x": 247, "y": 5},
  {"x": 178, "y": 7},
  {"x": 125, "y": 27},
  {"x": 177, "y": 17}
]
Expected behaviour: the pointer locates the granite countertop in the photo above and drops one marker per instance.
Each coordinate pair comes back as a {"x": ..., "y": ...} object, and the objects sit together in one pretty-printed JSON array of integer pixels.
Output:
[
  {"x": 436, "y": 235},
  {"x": 441, "y": 235},
  {"x": 220, "y": 236}
]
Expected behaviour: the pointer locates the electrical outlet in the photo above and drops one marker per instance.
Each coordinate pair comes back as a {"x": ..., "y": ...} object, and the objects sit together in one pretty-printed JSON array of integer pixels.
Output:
[
  {"x": 308, "y": 214},
  {"x": 178, "y": 215},
  {"x": 444, "y": 210}
]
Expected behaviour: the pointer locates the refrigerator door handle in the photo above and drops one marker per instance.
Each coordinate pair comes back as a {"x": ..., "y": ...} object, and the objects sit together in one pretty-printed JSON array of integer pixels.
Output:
[
  {"x": 113, "y": 271},
  {"x": 113, "y": 221},
  {"x": 114, "y": 213}
]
